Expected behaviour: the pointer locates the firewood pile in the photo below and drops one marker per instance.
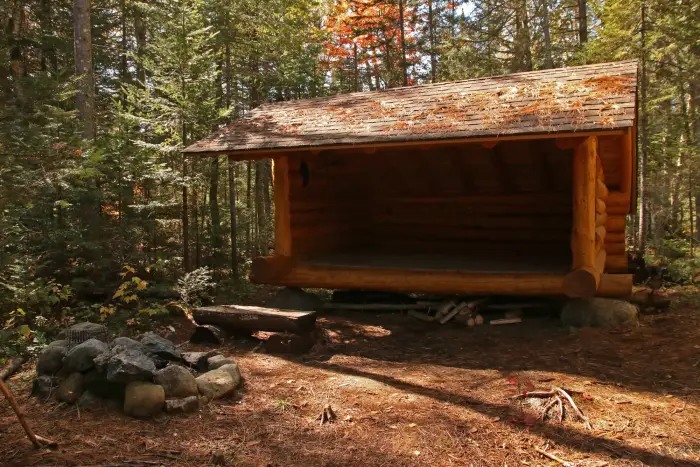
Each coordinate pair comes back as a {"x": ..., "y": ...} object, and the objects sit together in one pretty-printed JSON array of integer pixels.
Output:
[{"x": 462, "y": 312}]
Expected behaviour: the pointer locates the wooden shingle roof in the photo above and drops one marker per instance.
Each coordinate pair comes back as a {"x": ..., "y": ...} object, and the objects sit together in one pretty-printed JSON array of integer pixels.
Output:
[{"x": 583, "y": 98}]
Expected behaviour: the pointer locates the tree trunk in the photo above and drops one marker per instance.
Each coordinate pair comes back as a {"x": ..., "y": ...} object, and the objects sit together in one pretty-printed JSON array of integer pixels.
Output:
[
  {"x": 259, "y": 207},
  {"x": 85, "y": 97},
  {"x": 431, "y": 35},
  {"x": 404, "y": 65},
  {"x": 185, "y": 218},
  {"x": 582, "y": 22},
  {"x": 17, "y": 63},
  {"x": 195, "y": 223},
  {"x": 356, "y": 67},
  {"x": 548, "y": 60},
  {"x": 644, "y": 139},
  {"x": 249, "y": 210},
  {"x": 232, "y": 215},
  {"x": 140, "y": 31}
]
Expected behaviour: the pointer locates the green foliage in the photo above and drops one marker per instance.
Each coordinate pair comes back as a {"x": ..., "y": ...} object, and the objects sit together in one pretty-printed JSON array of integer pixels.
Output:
[{"x": 195, "y": 286}]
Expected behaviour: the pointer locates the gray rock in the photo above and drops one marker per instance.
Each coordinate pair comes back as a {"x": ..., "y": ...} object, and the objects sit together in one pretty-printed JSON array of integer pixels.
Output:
[
  {"x": 143, "y": 399},
  {"x": 218, "y": 361},
  {"x": 198, "y": 360},
  {"x": 43, "y": 387},
  {"x": 81, "y": 332},
  {"x": 51, "y": 358},
  {"x": 130, "y": 365},
  {"x": 90, "y": 401},
  {"x": 208, "y": 334},
  {"x": 218, "y": 383},
  {"x": 233, "y": 370},
  {"x": 157, "y": 346},
  {"x": 600, "y": 313},
  {"x": 71, "y": 388},
  {"x": 186, "y": 405},
  {"x": 127, "y": 343},
  {"x": 80, "y": 357},
  {"x": 177, "y": 382}
]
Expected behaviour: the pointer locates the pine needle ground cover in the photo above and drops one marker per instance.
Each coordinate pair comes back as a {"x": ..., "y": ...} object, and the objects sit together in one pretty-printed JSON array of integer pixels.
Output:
[{"x": 405, "y": 396}]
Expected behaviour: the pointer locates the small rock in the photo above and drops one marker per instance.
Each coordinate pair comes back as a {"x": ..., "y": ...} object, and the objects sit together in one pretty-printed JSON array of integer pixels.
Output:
[
  {"x": 143, "y": 399},
  {"x": 198, "y": 360},
  {"x": 186, "y": 405},
  {"x": 176, "y": 381},
  {"x": 220, "y": 382},
  {"x": 157, "y": 346},
  {"x": 43, "y": 386},
  {"x": 71, "y": 388},
  {"x": 127, "y": 343},
  {"x": 80, "y": 357},
  {"x": 218, "y": 361},
  {"x": 130, "y": 365},
  {"x": 90, "y": 401},
  {"x": 51, "y": 358},
  {"x": 599, "y": 312}
]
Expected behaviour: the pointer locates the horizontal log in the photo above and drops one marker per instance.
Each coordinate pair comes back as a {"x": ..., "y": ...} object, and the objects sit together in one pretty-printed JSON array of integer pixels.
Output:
[
  {"x": 618, "y": 198},
  {"x": 616, "y": 248},
  {"x": 616, "y": 263},
  {"x": 616, "y": 223},
  {"x": 440, "y": 282},
  {"x": 600, "y": 234},
  {"x": 235, "y": 318},
  {"x": 267, "y": 267},
  {"x": 615, "y": 237}
]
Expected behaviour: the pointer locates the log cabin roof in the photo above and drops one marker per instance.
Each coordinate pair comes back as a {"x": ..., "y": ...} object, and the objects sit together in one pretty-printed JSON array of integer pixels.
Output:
[{"x": 576, "y": 99}]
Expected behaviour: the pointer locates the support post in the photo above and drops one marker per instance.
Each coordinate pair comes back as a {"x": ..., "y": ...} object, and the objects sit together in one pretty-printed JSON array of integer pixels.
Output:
[
  {"x": 283, "y": 228},
  {"x": 584, "y": 279}
]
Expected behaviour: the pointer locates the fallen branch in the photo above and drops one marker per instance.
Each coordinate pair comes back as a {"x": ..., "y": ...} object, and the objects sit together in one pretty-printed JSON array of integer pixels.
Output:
[
  {"x": 554, "y": 458},
  {"x": 36, "y": 440},
  {"x": 14, "y": 365}
]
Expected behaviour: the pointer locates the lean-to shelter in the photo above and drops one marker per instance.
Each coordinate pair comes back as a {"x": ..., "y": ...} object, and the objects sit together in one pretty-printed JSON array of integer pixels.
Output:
[{"x": 516, "y": 184}]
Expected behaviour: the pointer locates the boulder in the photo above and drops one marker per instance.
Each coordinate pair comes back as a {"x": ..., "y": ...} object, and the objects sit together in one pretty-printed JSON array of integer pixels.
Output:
[
  {"x": 90, "y": 401},
  {"x": 80, "y": 357},
  {"x": 198, "y": 360},
  {"x": 71, "y": 388},
  {"x": 42, "y": 387},
  {"x": 218, "y": 361},
  {"x": 218, "y": 383},
  {"x": 51, "y": 358},
  {"x": 156, "y": 346},
  {"x": 96, "y": 382},
  {"x": 185, "y": 405},
  {"x": 599, "y": 313},
  {"x": 233, "y": 370},
  {"x": 127, "y": 343},
  {"x": 130, "y": 365},
  {"x": 143, "y": 399},
  {"x": 177, "y": 382}
]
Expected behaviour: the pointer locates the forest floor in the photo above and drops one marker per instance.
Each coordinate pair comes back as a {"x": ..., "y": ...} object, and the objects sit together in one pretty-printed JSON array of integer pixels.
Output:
[{"x": 408, "y": 394}]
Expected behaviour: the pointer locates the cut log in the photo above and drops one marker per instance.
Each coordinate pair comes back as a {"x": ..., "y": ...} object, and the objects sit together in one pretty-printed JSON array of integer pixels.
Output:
[
  {"x": 615, "y": 248},
  {"x": 444, "y": 308},
  {"x": 584, "y": 196},
  {"x": 615, "y": 223},
  {"x": 600, "y": 219},
  {"x": 253, "y": 318},
  {"x": 600, "y": 206},
  {"x": 601, "y": 190},
  {"x": 454, "y": 312},
  {"x": 615, "y": 286},
  {"x": 421, "y": 316},
  {"x": 582, "y": 282},
  {"x": 617, "y": 263},
  {"x": 506, "y": 321}
]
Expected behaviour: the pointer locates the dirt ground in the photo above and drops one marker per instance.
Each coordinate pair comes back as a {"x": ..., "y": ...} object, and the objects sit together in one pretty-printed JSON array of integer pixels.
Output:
[{"x": 408, "y": 393}]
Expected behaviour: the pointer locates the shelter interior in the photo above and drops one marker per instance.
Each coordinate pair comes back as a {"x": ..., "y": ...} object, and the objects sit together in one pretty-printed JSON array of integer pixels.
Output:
[{"x": 468, "y": 207}]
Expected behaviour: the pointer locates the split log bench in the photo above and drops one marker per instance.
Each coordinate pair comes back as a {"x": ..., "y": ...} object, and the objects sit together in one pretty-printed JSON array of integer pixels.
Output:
[{"x": 287, "y": 331}]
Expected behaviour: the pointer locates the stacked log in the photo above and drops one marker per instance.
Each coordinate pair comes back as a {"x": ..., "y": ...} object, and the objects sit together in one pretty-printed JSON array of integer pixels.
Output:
[{"x": 464, "y": 312}]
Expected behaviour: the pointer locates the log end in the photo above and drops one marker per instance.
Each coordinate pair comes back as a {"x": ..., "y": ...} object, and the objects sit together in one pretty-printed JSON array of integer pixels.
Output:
[{"x": 582, "y": 283}]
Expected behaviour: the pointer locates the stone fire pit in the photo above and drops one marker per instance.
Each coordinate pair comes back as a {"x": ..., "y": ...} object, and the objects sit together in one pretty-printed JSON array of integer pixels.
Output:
[{"x": 144, "y": 377}]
